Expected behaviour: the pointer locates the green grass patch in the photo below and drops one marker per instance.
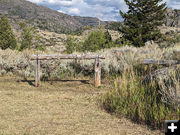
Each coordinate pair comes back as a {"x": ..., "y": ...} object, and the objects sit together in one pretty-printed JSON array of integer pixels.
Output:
[{"x": 139, "y": 102}]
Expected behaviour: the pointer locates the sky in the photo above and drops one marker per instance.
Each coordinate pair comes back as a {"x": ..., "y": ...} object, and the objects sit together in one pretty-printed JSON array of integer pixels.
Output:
[{"x": 107, "y": 10}]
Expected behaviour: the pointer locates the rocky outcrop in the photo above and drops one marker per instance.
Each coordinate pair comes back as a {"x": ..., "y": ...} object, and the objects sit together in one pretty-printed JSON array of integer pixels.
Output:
[{"x": 172, "y": 18}]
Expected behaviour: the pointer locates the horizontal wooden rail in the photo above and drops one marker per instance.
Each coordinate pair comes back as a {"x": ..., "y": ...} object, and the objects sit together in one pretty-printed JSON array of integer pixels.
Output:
[
  {"x": 97, "y": 64},
  {"x": 160, "y": 62},
  {"x": 63, "y": 56}
]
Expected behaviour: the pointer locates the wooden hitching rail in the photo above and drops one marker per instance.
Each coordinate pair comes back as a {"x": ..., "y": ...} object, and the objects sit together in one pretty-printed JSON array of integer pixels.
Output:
[
  {"x": 97, "y": 67},
  {"x": 160, "y": 62}
]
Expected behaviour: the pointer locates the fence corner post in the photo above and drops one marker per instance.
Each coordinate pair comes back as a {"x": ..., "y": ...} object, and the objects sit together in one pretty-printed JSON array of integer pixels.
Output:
[
  {"x": 97, "y": 70},
  {"x": 76, "y": 61},
  {"x": 37, "y": 76}
]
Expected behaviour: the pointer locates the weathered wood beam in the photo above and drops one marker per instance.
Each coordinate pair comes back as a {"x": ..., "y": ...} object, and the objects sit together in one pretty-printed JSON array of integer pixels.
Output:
[
  {"x": 54, "y": 64},
  {"x": 37, "y": 76},
  {"x": 63, "y": 56},
  {"x": 160, "y": 62},
  {"x": 75, "y": 61},
  {"x": 97, "y": 69}
]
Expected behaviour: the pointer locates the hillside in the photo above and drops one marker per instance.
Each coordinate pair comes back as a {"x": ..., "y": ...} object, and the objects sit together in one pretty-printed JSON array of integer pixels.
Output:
[
  {"x": 172, "y": 18},
  {"x": 54, "y": 21},
  {"x": 43, "y": 17}
]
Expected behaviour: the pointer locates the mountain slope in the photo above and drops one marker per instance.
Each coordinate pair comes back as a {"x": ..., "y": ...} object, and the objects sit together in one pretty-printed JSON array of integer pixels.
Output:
[
  {"x": 44, "y": 18},
  {"x": 172, "y": 18}
]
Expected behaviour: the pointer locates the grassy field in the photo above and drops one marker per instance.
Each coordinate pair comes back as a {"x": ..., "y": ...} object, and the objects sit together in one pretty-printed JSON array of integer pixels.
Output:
[{"x": 59, "y": 107}]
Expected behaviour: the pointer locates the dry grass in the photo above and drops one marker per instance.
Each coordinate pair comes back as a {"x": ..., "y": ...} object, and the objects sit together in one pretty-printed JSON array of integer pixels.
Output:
[{"x": 59, "y": 108}]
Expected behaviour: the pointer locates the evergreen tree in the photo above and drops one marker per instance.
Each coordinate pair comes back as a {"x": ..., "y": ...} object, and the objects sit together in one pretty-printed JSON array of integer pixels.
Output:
[
  {"x": 27, "y": 35},
  {"x": 7, "y": 38},
  {"x": 30, "y": 38},
  {"x": 142, "y": 20}
]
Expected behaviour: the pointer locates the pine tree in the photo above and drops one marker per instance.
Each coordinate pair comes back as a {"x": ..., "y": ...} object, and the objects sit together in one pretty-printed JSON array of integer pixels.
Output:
[
  {"x": 7, "y": 38},
  {"x": 142, "y": 20},
  {"x": 27, "y": 36}
]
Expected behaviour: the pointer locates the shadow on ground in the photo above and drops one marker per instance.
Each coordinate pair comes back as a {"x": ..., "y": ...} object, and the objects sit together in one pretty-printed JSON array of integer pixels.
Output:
[{"x": 32, "y": 82}]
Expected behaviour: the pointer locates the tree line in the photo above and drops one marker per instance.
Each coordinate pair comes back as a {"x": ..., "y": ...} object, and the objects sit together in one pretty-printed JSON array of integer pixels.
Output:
[{"x": 29, "y": 38}]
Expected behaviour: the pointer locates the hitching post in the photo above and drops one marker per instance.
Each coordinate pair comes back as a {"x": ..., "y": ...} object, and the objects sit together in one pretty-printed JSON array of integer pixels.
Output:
[
  {"x": 97, "y": 70},
  {"x": 76, "y": 61},
  {"x": 37, "y": 77}
]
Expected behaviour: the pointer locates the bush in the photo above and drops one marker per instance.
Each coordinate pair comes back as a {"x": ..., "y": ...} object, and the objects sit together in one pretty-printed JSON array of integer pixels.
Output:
[
  {"x": 117, "y": 59},
  {"x": 97, "y": 40},
  {"x": 113, "y": 25},
  {"x": 169, "y": 40},
  {"x": 139, "y": 102},
  {"x": 72, "y": 45}
]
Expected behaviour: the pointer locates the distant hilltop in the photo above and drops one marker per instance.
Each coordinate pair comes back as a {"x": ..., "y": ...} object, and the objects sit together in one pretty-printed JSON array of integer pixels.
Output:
[
  {"x": 54, "y": 21},
  {"x": 43, "y": 17}
]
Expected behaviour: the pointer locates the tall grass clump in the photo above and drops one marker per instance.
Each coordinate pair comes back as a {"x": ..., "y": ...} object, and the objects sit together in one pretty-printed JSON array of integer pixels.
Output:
[{"x": 138, "y": 101}]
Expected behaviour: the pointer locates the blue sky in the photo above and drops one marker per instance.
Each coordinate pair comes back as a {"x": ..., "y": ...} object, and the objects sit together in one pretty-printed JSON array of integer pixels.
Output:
[{"x": 107, "y": 10}]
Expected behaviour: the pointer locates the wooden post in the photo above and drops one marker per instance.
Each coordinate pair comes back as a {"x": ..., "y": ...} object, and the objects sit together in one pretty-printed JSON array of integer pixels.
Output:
[
  {"x": 97, "y": 70},
  {"x": 54, "y": 64},
  {"x": 37, "y": 77},
  {"x": 75, "y": 61}
]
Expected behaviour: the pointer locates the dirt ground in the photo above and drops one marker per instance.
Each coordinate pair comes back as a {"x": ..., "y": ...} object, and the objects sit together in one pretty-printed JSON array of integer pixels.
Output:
[{"x": 59, "y": 108}]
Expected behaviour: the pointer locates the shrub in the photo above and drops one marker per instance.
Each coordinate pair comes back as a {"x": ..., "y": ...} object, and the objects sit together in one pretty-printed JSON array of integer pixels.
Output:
[
  {"x": 41, "y": 47},
  {"x": 97, "y": 40},
  {"x": 72, "y": 45},
  {"x": 113, "y": 25},
  {"x": 169, "y": 40},
  {"x": 117, "y": 59},
  {"x": 139, "y": 102}
]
